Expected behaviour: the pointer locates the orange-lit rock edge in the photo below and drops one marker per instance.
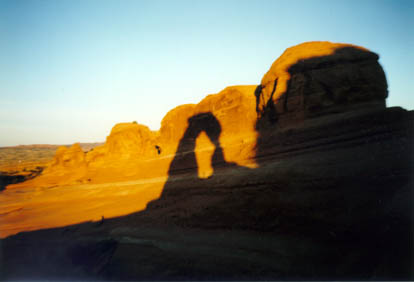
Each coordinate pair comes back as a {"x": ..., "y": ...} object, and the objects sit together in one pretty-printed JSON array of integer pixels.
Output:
[
  {"x": 133, "y": 151},
  {"x": 347, "y": 69},
  {"x": 130, "y": 169},
  {"x": 127, "y": 172},
  {"x": 291, "y": 56}
]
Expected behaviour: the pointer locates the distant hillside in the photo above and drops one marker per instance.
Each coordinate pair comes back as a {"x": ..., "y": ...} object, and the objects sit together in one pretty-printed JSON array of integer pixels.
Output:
[
  {"x": 84, "y": 146},
  {"x": 29, "y": 155}
]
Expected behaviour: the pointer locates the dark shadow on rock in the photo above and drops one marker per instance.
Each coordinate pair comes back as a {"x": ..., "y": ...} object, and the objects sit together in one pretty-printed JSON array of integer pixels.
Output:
[
  {"x": 360, "y": 201},
  {"x": 7, "y": 178},
  {"x": 184, "y": 167},
  {"x": 334, "y": 199},
  {"x": 347, "y": 80}
]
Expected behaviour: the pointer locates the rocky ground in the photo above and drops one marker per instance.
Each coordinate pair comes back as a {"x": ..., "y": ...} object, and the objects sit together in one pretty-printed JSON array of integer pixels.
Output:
[
  {"x": 316, "y": 208},
  {"x": 25, "y": 162},
  {"x": 316, "y": 184}
]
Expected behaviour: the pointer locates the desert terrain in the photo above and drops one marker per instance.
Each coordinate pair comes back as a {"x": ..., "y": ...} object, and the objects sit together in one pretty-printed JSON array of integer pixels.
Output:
[
  {"x": 24, "y": 162},
  {"x": 306, "y": 176}
]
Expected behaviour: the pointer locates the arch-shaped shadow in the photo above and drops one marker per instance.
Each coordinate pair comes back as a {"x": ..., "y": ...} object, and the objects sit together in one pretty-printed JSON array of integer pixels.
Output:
[
  {"x": 357, "y": 229},
  {"x": 184, "y": 165}
]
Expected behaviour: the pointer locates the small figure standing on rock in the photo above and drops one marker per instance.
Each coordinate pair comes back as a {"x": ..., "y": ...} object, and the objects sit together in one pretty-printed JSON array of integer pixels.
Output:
[{"x": 158, "y": 149}]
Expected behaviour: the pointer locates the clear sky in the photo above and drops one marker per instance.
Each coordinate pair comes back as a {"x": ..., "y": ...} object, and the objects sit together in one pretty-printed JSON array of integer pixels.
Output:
[{"x": 70, "y": 70}]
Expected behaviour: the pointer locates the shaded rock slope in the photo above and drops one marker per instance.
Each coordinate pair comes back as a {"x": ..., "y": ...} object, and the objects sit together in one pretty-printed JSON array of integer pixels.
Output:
[{"x": 329, "y": 196}]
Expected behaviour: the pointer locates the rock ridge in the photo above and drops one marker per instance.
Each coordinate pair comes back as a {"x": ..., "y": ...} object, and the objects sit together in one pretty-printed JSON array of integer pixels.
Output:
[
  {"x": 327, "y": 196},
  {"x": 310, "y": 80}
]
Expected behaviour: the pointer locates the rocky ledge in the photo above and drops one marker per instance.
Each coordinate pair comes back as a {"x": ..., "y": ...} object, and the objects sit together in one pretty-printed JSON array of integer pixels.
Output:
[{"x": 330, "y": 197}]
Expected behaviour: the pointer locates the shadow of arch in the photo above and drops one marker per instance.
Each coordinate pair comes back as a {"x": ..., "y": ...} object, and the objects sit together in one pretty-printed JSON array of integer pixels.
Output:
[
  {"x": 184, "y": 164},
  {"x": 338, "y": 232}
]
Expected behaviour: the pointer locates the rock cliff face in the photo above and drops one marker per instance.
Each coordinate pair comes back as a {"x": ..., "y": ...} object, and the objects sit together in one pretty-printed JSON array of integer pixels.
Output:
[
  {"x": 329, "y": 196},
  {"x": 126, "y": 141},
  {"x": 174, "y": 124},
  {"x": 134, "y": 149},
  {"x": 129, "y": 140},
  {"x": 316, "y": 78},
  {"x": 67, "y": 159},
  {"x": 233, "y": 107}
]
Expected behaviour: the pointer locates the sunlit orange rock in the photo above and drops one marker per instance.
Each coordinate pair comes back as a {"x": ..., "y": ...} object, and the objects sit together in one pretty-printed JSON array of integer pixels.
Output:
[
  {"x": 68, "y": 158},
  {"x": 314, "y": 78},
  {"x": 130, "y": 169},
  {"x": 301, "y": 179},
  {"x": 130, "y": 140},
  {"x": 307, "y": 80},
  {"x": 234, "y": 108},
  {"x": 133, "y": 151},
  {"x": 126, "y": 141},
  {"x": 173, "y": 126}
]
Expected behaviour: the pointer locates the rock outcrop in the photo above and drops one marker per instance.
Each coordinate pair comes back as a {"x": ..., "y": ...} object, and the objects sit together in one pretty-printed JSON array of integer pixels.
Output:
[
  {"x": 233, "y": 107},
  {"x": 315, "y": 78},
  {"x": 174, "y": 124},
  {"x": 330, "y": 197},
  {"x": 125, "y": 142},
  {"x": 129, "y": 140},
  {"x": 133, "y": 150},
  {"x": 68, "y": 158},
  {"x": 308, "y": 80}
]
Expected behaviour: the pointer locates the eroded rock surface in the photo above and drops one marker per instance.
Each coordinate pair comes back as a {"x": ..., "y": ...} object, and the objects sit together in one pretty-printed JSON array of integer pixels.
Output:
[
  {"x": 330, "y": 197},
  {"x": 126, "y": 141},
  {"x": 69, "y": 158},
  {"x": 315, "y": 78},
  {"x": 133, "y": 150}
]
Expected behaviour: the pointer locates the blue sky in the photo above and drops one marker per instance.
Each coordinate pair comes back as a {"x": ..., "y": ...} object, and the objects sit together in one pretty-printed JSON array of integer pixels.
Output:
[{"x": 70, "y": 70}]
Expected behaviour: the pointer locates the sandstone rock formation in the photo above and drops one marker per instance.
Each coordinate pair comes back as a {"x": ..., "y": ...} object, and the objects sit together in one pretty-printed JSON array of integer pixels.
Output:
[
  {"x": 314, "y": 78},
  {"x": 174, "y": 124},
  {"x": 233, "y": 107},
  {"x": 68, "y": 158},
  {"x": 126, "y": 141},
  {"x": 132, "y": 150},
  {"x": 330, "y": 197}
]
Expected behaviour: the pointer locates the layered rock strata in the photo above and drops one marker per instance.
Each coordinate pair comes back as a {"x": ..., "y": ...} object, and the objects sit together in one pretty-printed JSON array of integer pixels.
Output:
[
  {"x": 330, "y": 197},
  {"x": 316, "y": 78}
]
